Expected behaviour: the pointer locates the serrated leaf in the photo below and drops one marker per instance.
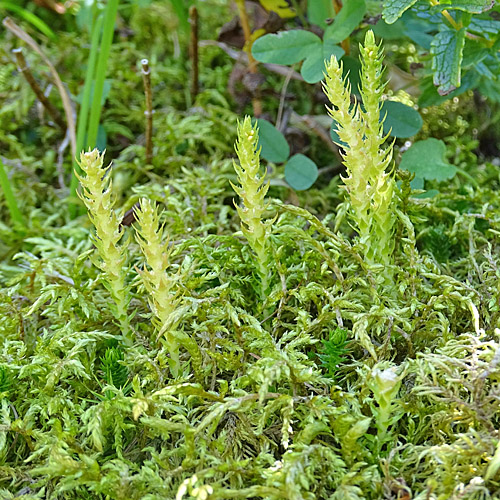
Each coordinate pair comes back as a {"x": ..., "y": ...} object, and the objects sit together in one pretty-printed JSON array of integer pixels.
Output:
[
  {"x": 394, "y": 9},
  {"x": 447, "y": 50},
  {"x": 482, "y": 26},
  {"x": 430, "y": 96},
  {"x": 346, "y": 21},
  {"x": 300, "y": 172},
  {"x": 279, "y": 6},
  {"x": 286, "y": 47},
  {"x": 427, "y": 159},
  {"x": 471, "y": 6},
  {"x": 313, "y": 68},
  {"x": 401, "y": 120},
  {"x": 273, "y": 142}
]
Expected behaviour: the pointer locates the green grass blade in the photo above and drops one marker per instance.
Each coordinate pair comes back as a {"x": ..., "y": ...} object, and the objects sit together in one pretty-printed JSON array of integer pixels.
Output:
[
  {"x": 182, "y": 12},
  {"x": 29, "y": 17},
  {"x": 83, "y": 115},
  {"x": 102, "y": 63},
  {"x": 10, "y": 199}
]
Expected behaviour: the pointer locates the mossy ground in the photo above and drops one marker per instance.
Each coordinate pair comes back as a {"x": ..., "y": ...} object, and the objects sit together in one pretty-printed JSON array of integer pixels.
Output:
[{"x": 330, "y": 388}]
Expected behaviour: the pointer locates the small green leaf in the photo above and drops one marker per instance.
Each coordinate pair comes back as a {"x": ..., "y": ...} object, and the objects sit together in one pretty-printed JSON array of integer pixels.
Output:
[
  {"x": 394, "y": 9},
  {"x": 347, "y": 21},
  {"x": 313, "y": 68},
  {"x": 286, "y": 47},
  {"x": 428, "y": 160},
  {"x": 273, "y": 142},
  {"x": 318, "y": 11},
  {"x": 401, "y": 120},
  {"x": 300, "y": 172},
  {"x": 447, "y": 49}
]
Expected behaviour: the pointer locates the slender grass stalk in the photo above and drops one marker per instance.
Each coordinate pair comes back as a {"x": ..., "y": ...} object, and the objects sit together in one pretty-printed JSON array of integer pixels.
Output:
[
  {"x": 10, "y": 199},
  {"x": 94, "y": 79},
  {"x": 146, "y": 77},
  {"x": 83, "y": 115},
  {"x": 28, "y": 17},
  {"x": 100, "y": 75},
  {"x": 181, "y": 12}
]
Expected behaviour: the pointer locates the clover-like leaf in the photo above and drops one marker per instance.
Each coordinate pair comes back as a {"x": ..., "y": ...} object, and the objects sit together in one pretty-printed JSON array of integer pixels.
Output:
[
  {"x": 286, "y": 47},
  {"x": 427, "y": 159},
  {"x": 273, "y": 142},
  {"x": 300, "y": 172},
  {"x": 401, "y": 120},
  {"x": 347, "y": 21},
  {"x": 313, "y": 68}
]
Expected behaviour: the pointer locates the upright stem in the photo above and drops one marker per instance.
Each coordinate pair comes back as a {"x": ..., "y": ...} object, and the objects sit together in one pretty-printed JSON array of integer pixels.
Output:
[
  {"x": 83, "y": 115},
  {"x": 252, "y": 63},
  {"x": 102, "y": 63},
  {"x": 146, "y": 77},
  {"x": 193, "y": 52}
]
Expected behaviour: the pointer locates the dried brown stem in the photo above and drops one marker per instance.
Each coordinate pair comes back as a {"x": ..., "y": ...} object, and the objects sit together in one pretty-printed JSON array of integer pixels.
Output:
[
  {"x": 68, "y": 111},
  {"x": 146, "y": 77},
  {"x": 252, "y": 63},
  {"x": 193, "y": 51},
  {"x": 24, "y": 69},
  {"x": 318, "y": 130}
]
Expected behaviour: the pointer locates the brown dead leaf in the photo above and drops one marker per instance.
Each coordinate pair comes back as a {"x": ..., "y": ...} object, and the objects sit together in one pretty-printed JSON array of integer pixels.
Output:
[{"x": 52, "y": 5}]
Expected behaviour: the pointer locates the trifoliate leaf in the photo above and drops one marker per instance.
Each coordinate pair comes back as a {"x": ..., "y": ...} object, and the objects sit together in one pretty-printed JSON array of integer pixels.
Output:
[
  {"x": 313, "y": 68},
  {"x": 318, "y": 11},
  {"x": 286, "y": 47},
  {"x": 347, "y": 21}
]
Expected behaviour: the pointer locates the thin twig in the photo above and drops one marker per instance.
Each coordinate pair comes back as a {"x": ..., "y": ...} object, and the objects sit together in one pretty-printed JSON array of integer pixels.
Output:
[
  {"x": 24, "y": 69},
  {"x": 318, "y": 130},
  {"x": 252, "y": 63},
  {"x": 146, "y": 77},
  {"x": 243, "y": 57},
  {"x": 70, "y": 119},
  {"x": 193, "y": 51},
  {"x": 283, "y": 98}
]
